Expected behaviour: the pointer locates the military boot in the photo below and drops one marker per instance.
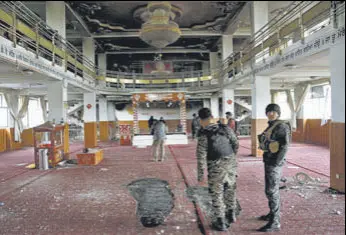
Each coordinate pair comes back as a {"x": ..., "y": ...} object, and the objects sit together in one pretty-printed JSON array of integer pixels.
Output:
[
  {"x": 272, "y": 226},
  {"x": 220, "y": 224},
  {"x": 266, "y": 217},
  {"x": 231, "y": 216}
]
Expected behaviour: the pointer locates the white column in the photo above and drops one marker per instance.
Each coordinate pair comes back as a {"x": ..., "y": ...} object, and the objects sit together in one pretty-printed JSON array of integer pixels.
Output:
[
  {"x": 56, "y": 16},
  {"x": 102, "y": 63},
  {"x": 337, "y": 127},
  {"x": 213, "y": 60},
  {"x": 206, "y": 103},
  {"x": 57, "y": 101},
  {"x": 103, "y": 109},
  {"x": 214, "y": 105},
  {"x": 111, "y": 111},
  {"x": 260, "y": 96},
  {"x": 89, "y": 107},
  {"x": 337, "y": 71},
  {"x": 259, "y": 15},
  {"x": 227, "y": 94},
  {"x": 227, "y": 46},
  {"x": 89, "y": 50}
]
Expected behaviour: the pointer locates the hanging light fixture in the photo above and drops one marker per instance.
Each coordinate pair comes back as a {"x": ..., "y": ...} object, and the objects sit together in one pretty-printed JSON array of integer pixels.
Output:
[{"x": 160, "y": 30}]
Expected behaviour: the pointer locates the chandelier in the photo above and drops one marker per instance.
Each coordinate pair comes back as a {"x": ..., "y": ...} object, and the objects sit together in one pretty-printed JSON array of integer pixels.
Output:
[{"x": 160, "y": 30}]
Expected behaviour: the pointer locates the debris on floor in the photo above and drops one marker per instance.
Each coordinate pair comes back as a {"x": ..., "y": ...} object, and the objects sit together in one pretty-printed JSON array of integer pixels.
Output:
[{"x": 154, "y": 198}]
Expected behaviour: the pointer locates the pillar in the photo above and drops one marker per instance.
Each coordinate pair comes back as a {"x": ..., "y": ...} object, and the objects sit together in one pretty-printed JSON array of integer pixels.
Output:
[
  {"x": 227, "y": 102},
  {"x": 102, "y": 63},
  {"x": 103, "y": 119},
  {"x": 90, "y": 126},
  {"x": 56, "y": 16},
  {"x": 214, "y": 105},
  {"x": 102, "y": 66},
  {"x": 337, "y": 129},
  {"x": 259, "y": 15},
  {"x": 227, "y": 46},
  {"x": 183, "y": 114},
  {"x": 89, "y": 52},
  {"x": 57, "y": 101},
  {"x": 260, "y": 97},
  {"x": 260, "y": 94},
  {"x": 213, "y": 60},
  {"x": 227, "y": 50},
  {"x": 111, "y": 120},
  {"x": 206, "y": 103}
]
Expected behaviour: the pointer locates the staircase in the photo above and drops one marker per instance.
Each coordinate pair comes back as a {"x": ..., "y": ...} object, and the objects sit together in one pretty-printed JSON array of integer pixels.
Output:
[
  {"x": 75, "y": 107},
  {"x": 243, "y": 103}
]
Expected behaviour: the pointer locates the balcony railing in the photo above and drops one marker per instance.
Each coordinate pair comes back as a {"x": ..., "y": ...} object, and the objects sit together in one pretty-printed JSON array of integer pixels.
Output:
[
  {"x": 298, "y": 21},
  {"x": 23, "y": 27}
]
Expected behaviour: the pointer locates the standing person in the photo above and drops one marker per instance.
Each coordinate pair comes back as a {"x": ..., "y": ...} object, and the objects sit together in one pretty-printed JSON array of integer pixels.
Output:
[
  {"x": 150, "y": 122},
  {"x": 219, "y": 145},
  {"x": 231, "y": 122},
  {"x": 195, "y": 126},
  {"x": 159, "y": 140},
  {"x": 274, "y": 142}
]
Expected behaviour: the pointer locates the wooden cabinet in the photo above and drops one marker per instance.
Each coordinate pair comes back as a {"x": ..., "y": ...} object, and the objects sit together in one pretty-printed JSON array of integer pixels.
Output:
[{"x": 50, "y": 137}]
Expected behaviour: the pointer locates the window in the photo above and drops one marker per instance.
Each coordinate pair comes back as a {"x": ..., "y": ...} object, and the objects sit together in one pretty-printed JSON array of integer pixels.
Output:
[
  {"x": 282, "y": 101},
  {"x": 318, "y": 103},
  {"x": 34, "y": 115}
]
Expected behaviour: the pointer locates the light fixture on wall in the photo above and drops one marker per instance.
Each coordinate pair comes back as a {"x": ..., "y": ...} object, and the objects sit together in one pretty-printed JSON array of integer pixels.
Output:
[
  {"x": 159, "y": 29},
  {"x": 27, "y": 72}
]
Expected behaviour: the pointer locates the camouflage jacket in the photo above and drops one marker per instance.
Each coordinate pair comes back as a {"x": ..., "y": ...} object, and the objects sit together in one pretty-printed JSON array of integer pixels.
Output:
[
  {"x": 216, "y": 141},
  {"x": 281, "y": 133}
]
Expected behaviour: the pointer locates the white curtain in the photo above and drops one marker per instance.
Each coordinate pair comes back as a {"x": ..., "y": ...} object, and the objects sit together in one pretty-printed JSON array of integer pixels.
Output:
[
  {"x": 17, "y": 114},
  {"x": 44, "y": 108},
  {"x": 292, "y": 108},
  {"x": 298, "y": 106},
  {"x": 326, "y": 114}
]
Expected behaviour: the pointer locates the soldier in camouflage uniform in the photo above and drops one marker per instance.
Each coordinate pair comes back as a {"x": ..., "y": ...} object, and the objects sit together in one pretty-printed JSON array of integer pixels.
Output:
[
  {"x": 218, "y": 144},
  {"x": 274, "y": 142}
]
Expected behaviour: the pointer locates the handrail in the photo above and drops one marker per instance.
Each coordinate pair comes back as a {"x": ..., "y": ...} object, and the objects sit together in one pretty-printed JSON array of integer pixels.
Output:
[{"x": 275, "y": 33}]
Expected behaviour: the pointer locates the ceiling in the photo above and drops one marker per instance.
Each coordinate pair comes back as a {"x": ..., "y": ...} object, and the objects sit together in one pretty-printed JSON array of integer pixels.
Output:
[
  {"x": 195, "y": 14},
  {"x": 27, "y": 81}
]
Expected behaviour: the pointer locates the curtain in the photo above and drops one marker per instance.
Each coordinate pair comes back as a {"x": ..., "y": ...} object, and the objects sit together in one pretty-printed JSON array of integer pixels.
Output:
[
  {"x": 17, "y": 115},
  {"x": 326, "y": 115},
  {"x": 22, "y": 112},
  {"x": 293, "y": 112},
  {"x": 44, "y": 108},
  {"x": 298, "y": 105}
]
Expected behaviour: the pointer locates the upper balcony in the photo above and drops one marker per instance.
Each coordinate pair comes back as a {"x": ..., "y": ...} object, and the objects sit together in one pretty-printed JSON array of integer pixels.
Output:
[{"x": 26, "y": 30}]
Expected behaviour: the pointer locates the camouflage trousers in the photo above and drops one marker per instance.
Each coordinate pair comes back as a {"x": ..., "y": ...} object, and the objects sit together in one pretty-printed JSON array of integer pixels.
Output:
[
  {"x": 222, "y": 185},
  {"x": 272, "y": 183}
]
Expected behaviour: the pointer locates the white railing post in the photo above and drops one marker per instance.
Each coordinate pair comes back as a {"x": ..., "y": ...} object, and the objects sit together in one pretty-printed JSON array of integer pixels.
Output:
[
  {"x": 37, "y": 40},
  {"x": 14, "y": 27}
]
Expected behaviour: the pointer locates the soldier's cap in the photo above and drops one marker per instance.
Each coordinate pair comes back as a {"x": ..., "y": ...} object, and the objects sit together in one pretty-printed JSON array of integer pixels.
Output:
[{"x": 273, "y": 107}]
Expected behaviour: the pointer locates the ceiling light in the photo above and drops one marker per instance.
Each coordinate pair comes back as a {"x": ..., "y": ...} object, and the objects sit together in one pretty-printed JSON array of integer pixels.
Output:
[
  {"x": 160, "y": 30},
  {"x": 291, "y": 66},
  {"x": 28, "y": 72}
]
